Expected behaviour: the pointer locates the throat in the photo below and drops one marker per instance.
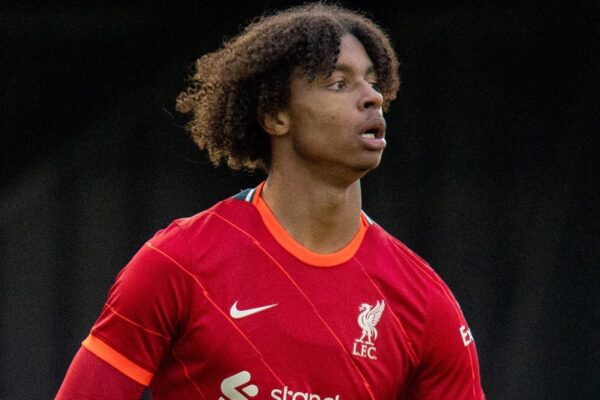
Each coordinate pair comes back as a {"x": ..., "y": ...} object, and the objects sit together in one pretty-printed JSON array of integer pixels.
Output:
[
  {"x": 321, "y": 220},
  {"x": 324, "y": 233}
]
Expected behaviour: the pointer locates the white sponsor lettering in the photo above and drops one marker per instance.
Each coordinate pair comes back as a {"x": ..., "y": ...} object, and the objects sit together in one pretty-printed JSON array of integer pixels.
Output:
[
  {"x": 287, "y": 394},
  {"x": 237, "y": 387},
  {"x": 230, "y": 386},
  {"x": 466, "y": 335}
]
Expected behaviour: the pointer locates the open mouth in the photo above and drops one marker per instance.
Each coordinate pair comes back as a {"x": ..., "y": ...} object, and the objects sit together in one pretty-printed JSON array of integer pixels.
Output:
[
  {"x": 374, "y": 130},
  {"x": 371, "y": 134}
]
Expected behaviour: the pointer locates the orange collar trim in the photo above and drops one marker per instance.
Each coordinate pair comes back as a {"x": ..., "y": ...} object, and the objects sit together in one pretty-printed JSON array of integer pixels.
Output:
[{"x": 299, "y": 251}]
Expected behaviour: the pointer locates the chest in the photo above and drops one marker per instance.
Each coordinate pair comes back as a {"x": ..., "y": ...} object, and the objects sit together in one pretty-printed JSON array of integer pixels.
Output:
[{"x": 285, "y": 330}]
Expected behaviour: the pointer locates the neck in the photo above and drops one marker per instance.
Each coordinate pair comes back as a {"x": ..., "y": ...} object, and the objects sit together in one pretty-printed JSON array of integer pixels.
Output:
[{"x": 319, "y": 215}]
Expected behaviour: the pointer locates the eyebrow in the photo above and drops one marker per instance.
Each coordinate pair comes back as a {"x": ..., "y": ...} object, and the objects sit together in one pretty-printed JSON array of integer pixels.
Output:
[{"x": 348, "y": 70}]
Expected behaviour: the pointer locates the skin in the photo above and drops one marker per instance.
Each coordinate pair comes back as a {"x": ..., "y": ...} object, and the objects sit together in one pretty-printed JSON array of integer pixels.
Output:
[{"x": 319, "y": 154}]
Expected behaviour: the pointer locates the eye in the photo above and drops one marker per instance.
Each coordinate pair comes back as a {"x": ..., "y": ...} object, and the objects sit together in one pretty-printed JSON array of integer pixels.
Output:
[
  {"x": 375, "y": 85},
  {"x": 338, "y": 85}
]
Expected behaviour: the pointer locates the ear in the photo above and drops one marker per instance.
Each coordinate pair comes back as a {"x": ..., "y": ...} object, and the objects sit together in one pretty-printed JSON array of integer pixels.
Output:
[{"x": 275, "y": 124}]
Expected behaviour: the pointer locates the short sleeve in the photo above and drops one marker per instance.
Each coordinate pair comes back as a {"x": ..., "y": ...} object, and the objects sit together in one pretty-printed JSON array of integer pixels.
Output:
[
  {"x": 449, "y": 367},
  {"x": 144, "y": 311}
]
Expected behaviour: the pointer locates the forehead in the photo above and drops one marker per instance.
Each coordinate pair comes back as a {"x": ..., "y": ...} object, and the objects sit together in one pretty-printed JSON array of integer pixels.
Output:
[{"x": 353, "y": 57}]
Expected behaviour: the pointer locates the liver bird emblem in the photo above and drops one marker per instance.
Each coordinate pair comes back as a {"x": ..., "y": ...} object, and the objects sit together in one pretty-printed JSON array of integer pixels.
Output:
[{"x": 368, "y": 319}]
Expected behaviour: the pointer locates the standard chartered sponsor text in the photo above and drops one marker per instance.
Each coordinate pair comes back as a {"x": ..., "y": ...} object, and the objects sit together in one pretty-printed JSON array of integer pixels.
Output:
[{"x": 287, "y": 394}]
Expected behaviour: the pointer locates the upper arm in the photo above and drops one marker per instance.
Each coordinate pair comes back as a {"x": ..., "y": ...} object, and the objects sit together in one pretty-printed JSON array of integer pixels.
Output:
[
  {"x": 449, "y": 367},
  {"x": 88, "y": 377},
  {"x": 143, "y": 314}
]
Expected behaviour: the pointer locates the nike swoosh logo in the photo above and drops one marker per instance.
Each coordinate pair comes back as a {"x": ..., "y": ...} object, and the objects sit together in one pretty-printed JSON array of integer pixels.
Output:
[{"x": 237, "y": 314}]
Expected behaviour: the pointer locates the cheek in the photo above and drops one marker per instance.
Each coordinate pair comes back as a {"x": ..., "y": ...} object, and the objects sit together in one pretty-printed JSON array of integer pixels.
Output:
[
  {"x": 318, "y": 125},
  {"x": 313, "y": 134},
  {"x": 323, "y": 117}
]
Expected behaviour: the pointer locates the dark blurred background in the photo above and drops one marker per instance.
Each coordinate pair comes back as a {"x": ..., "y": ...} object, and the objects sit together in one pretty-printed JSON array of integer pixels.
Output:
[{"x": 490, "y": 173}]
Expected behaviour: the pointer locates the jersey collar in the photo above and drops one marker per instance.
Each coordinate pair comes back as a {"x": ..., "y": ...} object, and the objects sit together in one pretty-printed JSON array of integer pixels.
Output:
[{"x": 295, "y": 248}]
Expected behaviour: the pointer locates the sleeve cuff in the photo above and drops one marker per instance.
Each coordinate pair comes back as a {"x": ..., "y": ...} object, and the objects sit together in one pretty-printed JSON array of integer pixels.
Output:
[{"x": 117, "y": 360}]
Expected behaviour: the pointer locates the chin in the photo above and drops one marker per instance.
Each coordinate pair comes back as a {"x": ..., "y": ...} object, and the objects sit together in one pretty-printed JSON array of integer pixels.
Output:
[
  {"x": 369, "y": 163},
  {"x": 364, "y": 167}
]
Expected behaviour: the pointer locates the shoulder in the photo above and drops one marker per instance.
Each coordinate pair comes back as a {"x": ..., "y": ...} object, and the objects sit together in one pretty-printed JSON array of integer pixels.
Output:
[
  {"x": 168, "y": 261},
  {"x": 390, "y": 256},
  {"x": 232, "y": 207},
  {"x": 403, "y": 275},
  {"x": 409, "y": 270},
  {"x": 185, "y": 239},
  {"x": 433, "y": 318},
  {"x": 214, "y": 221}
]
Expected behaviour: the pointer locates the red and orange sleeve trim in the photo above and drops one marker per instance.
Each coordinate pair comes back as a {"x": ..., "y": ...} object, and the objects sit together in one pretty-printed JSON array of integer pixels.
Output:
[
  {"x": 117, "y": 360},
  {"x": 299, "y": 251}
]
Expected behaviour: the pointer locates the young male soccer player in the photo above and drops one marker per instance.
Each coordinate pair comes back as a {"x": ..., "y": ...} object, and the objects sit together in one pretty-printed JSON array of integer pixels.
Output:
[{"x": 288, "y": 290}]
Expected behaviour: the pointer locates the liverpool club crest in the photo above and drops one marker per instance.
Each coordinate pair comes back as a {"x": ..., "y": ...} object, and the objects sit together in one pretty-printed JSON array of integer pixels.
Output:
[{"x": 368, "y": 318}]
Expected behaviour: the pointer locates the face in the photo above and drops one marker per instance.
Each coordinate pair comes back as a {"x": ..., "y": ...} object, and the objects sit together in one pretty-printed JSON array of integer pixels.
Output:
[{"x": 335, "y": 123}]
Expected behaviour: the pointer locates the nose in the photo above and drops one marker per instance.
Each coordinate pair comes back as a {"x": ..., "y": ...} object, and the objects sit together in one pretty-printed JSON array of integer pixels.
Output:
[{"x": 371, "y": 98}]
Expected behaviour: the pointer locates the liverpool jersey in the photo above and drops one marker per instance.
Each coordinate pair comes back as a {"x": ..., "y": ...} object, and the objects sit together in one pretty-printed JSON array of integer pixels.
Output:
[{"x": 226, "y": 305}]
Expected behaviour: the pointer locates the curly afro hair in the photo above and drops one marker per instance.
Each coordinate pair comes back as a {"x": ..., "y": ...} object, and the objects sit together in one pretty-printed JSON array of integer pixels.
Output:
[{"x": 250, "y": 77}]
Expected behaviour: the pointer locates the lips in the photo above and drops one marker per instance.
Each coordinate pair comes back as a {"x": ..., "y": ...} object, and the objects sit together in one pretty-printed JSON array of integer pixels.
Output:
[
  {"x": 373, "y": 128},
  {"x": 372, "y": 134}
]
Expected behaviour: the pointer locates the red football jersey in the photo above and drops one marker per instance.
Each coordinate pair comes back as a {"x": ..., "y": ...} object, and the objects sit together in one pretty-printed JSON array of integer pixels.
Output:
[{"x": 226, "y": 305}]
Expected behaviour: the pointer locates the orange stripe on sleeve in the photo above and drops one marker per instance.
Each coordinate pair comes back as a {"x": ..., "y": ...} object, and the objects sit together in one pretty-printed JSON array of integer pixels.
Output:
[{"x": 117, "y": 360}]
